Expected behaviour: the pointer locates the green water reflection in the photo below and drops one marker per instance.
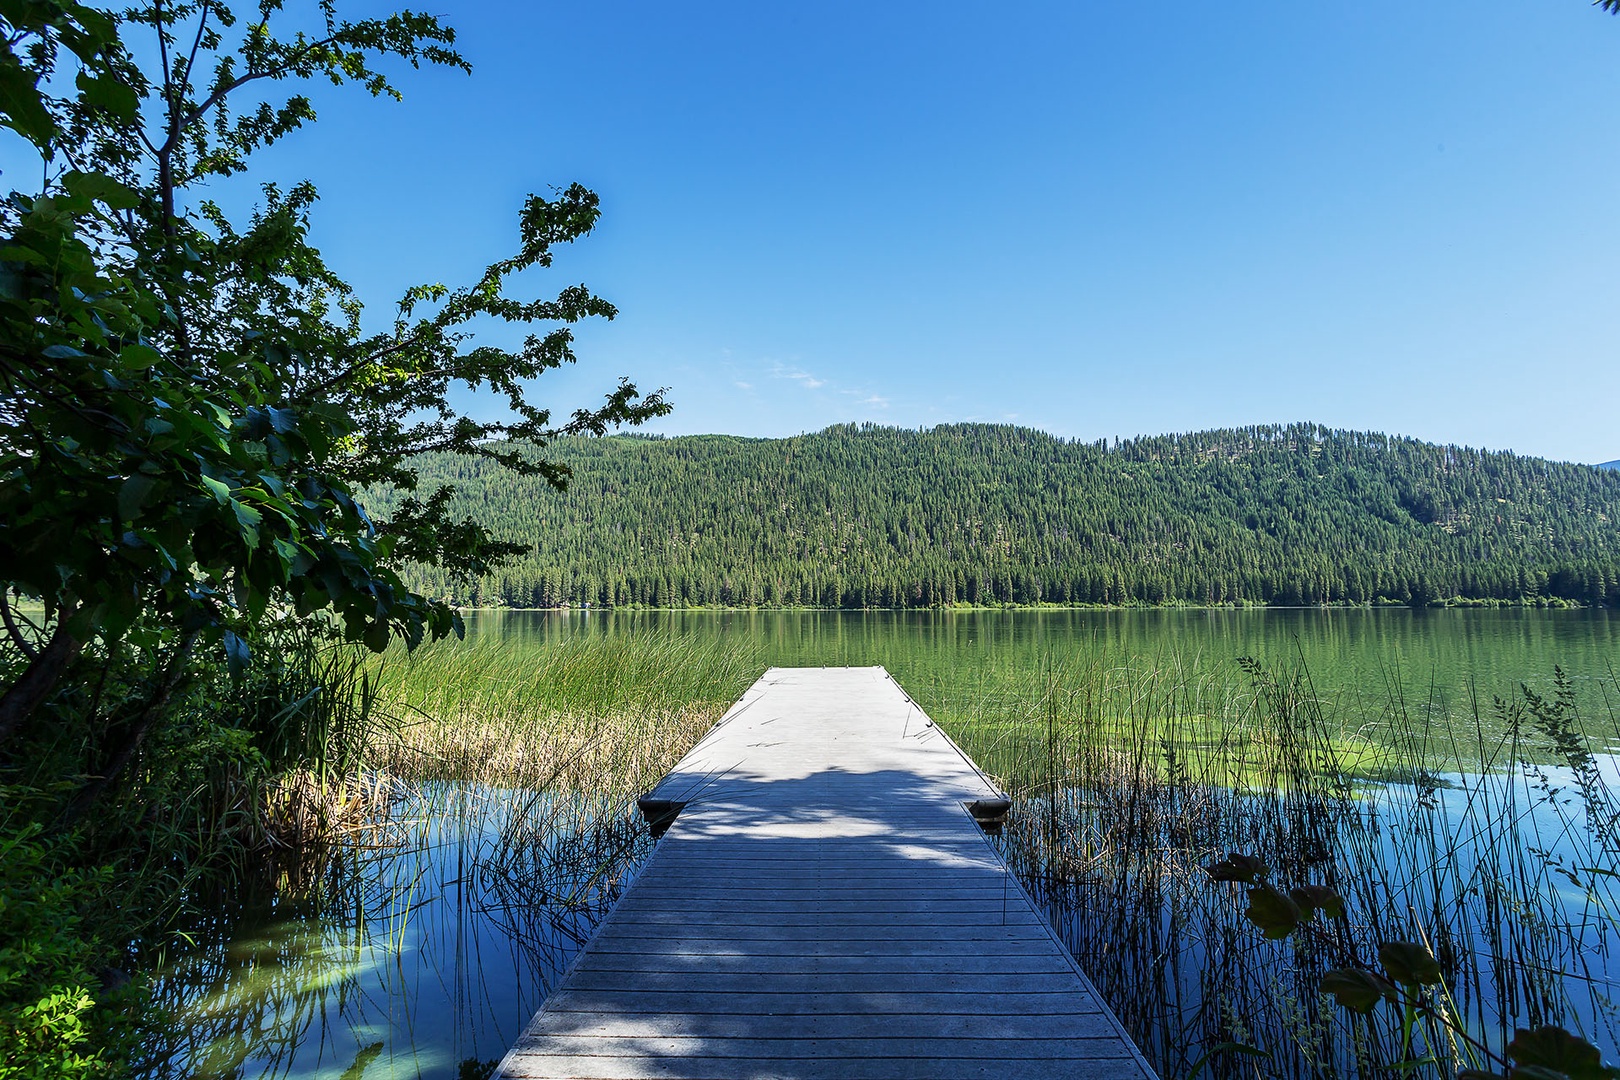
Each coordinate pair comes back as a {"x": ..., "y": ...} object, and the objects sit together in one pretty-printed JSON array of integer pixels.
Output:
[
  {"x": 1451, "y": 646},
  {"x": 968, "y": 667}
]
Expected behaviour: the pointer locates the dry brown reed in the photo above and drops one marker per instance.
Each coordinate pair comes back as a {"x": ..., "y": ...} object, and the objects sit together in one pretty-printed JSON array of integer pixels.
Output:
[
  {"x": 628, "y": 750},
  {"x": 304, "y": 809},
  {"x": 582, "y": 714}
]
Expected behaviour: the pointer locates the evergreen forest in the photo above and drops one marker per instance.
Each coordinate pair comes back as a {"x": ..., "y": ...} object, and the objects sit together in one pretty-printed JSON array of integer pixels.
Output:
[{"x": 869, "y": 516}]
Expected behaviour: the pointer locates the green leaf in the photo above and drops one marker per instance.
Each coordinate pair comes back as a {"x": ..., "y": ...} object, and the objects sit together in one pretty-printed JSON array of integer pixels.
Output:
[
  {"x": 236, "y": 654},
  {"x": 1409, "y": 963},
  {"x": 1272, "y": 912},
  {"x": 13, "y": 282},
  {"x": 1551, "y": 1053},
  {"x": 248, "y": 520},
  {"x": 220, "y": 490},
  {"x": 101, "y": 187},
  {"x": 1318, "y": 898},
  {"x": 106, "y": 93},
  {"x": 22, "y": 106},
  {"x": 133, "y": 495},
  {"x": 1357, "y": 990},
  {"x": 294, "y": 558},
  {"x": 1238, "y": 867},
  {"x": 376, "y": 636},
  {"x": 139, "y": 357}
]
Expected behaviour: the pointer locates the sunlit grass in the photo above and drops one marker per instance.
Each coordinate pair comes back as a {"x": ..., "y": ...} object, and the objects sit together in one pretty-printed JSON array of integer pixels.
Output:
[{"x": 583, "y": 714}]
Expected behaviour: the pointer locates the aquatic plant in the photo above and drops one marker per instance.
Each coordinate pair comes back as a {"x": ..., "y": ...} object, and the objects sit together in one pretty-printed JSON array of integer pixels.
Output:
[
  {"x": 591, "y": 713},
  {"x": 1489, "y": 843},
  {"x": 499, "y": 814}
]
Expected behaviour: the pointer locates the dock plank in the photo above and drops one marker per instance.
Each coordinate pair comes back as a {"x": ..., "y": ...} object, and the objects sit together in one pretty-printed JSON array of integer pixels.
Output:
[{"x": 824, "y": 907}]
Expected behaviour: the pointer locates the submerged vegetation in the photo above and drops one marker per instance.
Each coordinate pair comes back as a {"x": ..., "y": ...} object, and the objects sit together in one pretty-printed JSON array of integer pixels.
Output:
[
  {"x": 235, "y": 748},
  {"x": 1481, "y": 831},
  {"x": 502, "y": 828},
  {"x": 1481, "y": 834}
]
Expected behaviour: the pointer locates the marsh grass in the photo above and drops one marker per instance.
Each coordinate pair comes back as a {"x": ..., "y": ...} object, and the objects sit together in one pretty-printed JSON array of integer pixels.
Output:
[
  {"x": 571, "y": 731},
  {"x": 497, "y": 820},
  {"x": 1486, "y": 832},
  {"x": 468, "y": 809},
  {"x": 596, "y": 714}
]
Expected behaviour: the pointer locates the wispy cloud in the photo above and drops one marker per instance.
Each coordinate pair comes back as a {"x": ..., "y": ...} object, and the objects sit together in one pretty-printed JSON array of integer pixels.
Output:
[
  {"x": 805, "y": 380},
  {"x": 780, "y": 370}
]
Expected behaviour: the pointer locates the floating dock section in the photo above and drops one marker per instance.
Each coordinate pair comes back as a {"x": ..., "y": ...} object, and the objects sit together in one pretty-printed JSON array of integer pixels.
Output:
[{"x": 824, "y": 907}]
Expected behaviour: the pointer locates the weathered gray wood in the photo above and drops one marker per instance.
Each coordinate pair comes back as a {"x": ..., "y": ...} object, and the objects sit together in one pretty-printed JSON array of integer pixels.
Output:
[
  {"x": 974, "y": 916},
  {"x": 869, "y": 1046},
  {"x": 824, "y": 907},
  {"x": 842, "y": 1026},
  {"x": 651, "y": 1065},
  {"x": 680, "y": 1003},
  {"x": 790, "y": 978},
  {"x": 906, "y": 932},
  {"x": 765, "y": 964}
]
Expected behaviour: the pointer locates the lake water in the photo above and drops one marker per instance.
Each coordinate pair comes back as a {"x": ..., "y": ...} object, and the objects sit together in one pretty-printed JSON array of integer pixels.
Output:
[
  {"x": 1346, "y": 650},
  {"x": 425, "y": 955}
]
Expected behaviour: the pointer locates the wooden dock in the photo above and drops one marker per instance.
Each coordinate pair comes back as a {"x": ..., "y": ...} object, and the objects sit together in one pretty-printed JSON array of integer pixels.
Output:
[{"x": 824, "y": 908}]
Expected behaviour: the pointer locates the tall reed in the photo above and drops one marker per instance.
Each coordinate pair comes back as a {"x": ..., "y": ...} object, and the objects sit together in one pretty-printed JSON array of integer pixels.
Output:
[
  {"x": 503, "y": 828},
  {"x": 582, "y": 713},
  {"x": 1486, "y": 830}
]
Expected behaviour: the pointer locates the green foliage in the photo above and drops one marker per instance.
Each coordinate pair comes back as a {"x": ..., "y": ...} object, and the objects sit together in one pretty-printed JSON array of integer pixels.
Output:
[
  {"x": 1358, "y": 990},
  {"x": 1551, "y": 1053},
  {"x": 1546, "y": 1053},
  {"x": 1409, "y": 964},
  {"x": 520, "y": 712},
  {"x": 1313, "y": 898},
  {"x": 191, "y": 404},
  {"x": 47, "y": 1021},
  {"x": 885, "y": 517},
  {"x": 1274, "y": 913}
]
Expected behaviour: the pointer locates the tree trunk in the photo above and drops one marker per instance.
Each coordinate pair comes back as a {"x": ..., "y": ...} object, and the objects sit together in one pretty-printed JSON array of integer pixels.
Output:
[{"x": 39, "y": 679}]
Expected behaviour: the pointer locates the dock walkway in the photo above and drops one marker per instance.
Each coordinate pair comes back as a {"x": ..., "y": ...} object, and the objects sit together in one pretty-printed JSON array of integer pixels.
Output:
[{"x": 824, "y": 909}]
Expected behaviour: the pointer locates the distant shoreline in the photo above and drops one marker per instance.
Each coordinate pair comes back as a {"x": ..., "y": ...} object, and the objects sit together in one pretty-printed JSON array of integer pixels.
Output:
[{"x": 1456, "y": 603}]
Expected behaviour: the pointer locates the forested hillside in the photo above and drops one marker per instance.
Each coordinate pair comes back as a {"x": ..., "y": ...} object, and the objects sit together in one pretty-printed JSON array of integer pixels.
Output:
[{"x": 873, "y": 516}]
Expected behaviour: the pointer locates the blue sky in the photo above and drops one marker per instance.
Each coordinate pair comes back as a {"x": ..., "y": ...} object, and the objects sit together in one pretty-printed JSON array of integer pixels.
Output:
[{"x": 1094, "y": 218}]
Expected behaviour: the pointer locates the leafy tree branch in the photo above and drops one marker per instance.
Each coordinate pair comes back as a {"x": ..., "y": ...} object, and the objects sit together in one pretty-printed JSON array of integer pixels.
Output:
[{"x": 193, "y": 404}]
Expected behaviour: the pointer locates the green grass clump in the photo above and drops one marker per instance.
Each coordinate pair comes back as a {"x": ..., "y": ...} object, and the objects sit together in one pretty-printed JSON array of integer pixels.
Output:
[{"x": 579, "y": 713}]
